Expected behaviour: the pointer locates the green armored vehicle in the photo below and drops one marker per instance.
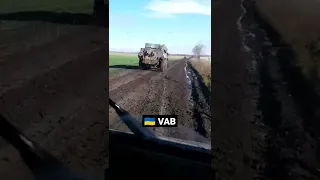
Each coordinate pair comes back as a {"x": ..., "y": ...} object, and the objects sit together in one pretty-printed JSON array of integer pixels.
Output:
[{"x": 153, "y": 56}]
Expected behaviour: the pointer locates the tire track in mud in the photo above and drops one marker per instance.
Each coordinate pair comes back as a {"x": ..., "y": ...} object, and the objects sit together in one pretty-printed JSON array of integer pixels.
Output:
[
  {"x": 156, "y": 93},
  {"x": 264, "y": 124},
  {"x": 287, "y": 147},
  {"x": 137, "y": 96},
  {"x": 175, "y": 100},
  {"x": 233, "y": 91},
  {"x": 267, "y": 161},
  {"x": 200, "y": 102}
]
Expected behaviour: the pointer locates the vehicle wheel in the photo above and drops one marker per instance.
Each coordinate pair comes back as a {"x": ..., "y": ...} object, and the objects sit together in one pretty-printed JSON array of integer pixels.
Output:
[{"x": 142, "y": 65}]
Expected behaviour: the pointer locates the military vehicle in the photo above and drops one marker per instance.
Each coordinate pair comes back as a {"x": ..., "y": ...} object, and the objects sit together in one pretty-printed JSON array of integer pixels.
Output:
[{"x": 153, "y": 56}]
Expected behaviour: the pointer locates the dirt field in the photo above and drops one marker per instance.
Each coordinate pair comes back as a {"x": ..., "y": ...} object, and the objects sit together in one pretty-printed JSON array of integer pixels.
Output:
[
  {"x": 53, "y": 87},
  {"x": 176, "y": 91},
  {"x": 264, "y": 112}
]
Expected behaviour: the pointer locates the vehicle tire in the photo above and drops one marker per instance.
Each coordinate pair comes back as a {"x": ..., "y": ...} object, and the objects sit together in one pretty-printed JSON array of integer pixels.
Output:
[
  {"x": 164, "y": 66},
  {"x": 142, "y": 65}
]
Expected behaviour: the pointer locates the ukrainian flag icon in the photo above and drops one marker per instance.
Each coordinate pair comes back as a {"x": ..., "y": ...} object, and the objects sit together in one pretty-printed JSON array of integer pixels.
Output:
[{"x": 148, "y": 121}]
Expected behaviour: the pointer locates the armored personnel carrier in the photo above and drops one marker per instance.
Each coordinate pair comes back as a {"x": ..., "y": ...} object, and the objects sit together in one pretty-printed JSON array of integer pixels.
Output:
[{"x": 153, "y": 56}]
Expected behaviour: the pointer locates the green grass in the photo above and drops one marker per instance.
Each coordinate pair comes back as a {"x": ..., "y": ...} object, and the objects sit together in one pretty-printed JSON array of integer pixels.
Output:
[
  {"x": 75, "y": 6},
  {"x": 118, "y": 59},
  {"x": 128, "y": 59}
]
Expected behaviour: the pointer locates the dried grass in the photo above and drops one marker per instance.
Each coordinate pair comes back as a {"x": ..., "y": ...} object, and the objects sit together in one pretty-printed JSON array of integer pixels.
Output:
[{"x": 204, "y": 68}]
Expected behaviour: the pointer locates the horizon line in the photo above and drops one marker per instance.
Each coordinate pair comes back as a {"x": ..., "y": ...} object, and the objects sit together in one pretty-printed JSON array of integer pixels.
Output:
[{"x": 169, "y": 53}]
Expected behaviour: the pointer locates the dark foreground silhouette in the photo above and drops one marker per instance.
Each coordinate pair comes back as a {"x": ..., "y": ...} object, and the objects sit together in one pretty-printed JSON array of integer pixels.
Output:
[{"x": 54, "y": 17}]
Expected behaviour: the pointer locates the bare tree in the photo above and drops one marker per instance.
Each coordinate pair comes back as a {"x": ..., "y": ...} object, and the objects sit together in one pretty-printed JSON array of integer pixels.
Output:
[{"x": 198, "y": 50}]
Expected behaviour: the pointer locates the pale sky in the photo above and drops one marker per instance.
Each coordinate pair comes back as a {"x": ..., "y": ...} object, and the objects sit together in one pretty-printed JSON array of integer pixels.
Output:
[{"x": 180, "y": 24}]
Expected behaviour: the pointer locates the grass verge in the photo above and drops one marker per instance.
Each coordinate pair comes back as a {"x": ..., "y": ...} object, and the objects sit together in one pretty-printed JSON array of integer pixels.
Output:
[
  {"x": 172, "y": 58},
  {"x": 122, "y": 61},
  {"x": 204, "y": 69},
  {"x": 298, "y": 24}
]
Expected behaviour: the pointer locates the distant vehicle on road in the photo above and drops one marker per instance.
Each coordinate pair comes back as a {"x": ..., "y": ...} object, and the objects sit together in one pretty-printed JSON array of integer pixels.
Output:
[{"x": 153, "y": 56}]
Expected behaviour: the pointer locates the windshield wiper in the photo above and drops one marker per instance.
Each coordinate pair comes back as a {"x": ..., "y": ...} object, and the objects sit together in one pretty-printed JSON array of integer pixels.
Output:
[
  {"x": 43, "y": 165},
  {"x": 133, "y": 124}
]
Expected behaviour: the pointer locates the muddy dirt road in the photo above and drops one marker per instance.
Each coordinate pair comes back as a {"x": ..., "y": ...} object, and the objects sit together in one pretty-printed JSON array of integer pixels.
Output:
[
  {"x": 177, "y": 91},
  {"x": 53, "y": 88},
  {"x": 265, "y": 121}
]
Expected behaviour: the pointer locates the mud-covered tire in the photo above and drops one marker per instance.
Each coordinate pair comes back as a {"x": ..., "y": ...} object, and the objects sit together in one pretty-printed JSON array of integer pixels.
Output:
[
  {"x": 164, "y": 65},
  {"x": 142, "y": 65}
]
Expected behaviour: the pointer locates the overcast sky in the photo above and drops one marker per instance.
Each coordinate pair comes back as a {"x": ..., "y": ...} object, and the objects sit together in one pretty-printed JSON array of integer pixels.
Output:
[{"x": 180, "y": 24}]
